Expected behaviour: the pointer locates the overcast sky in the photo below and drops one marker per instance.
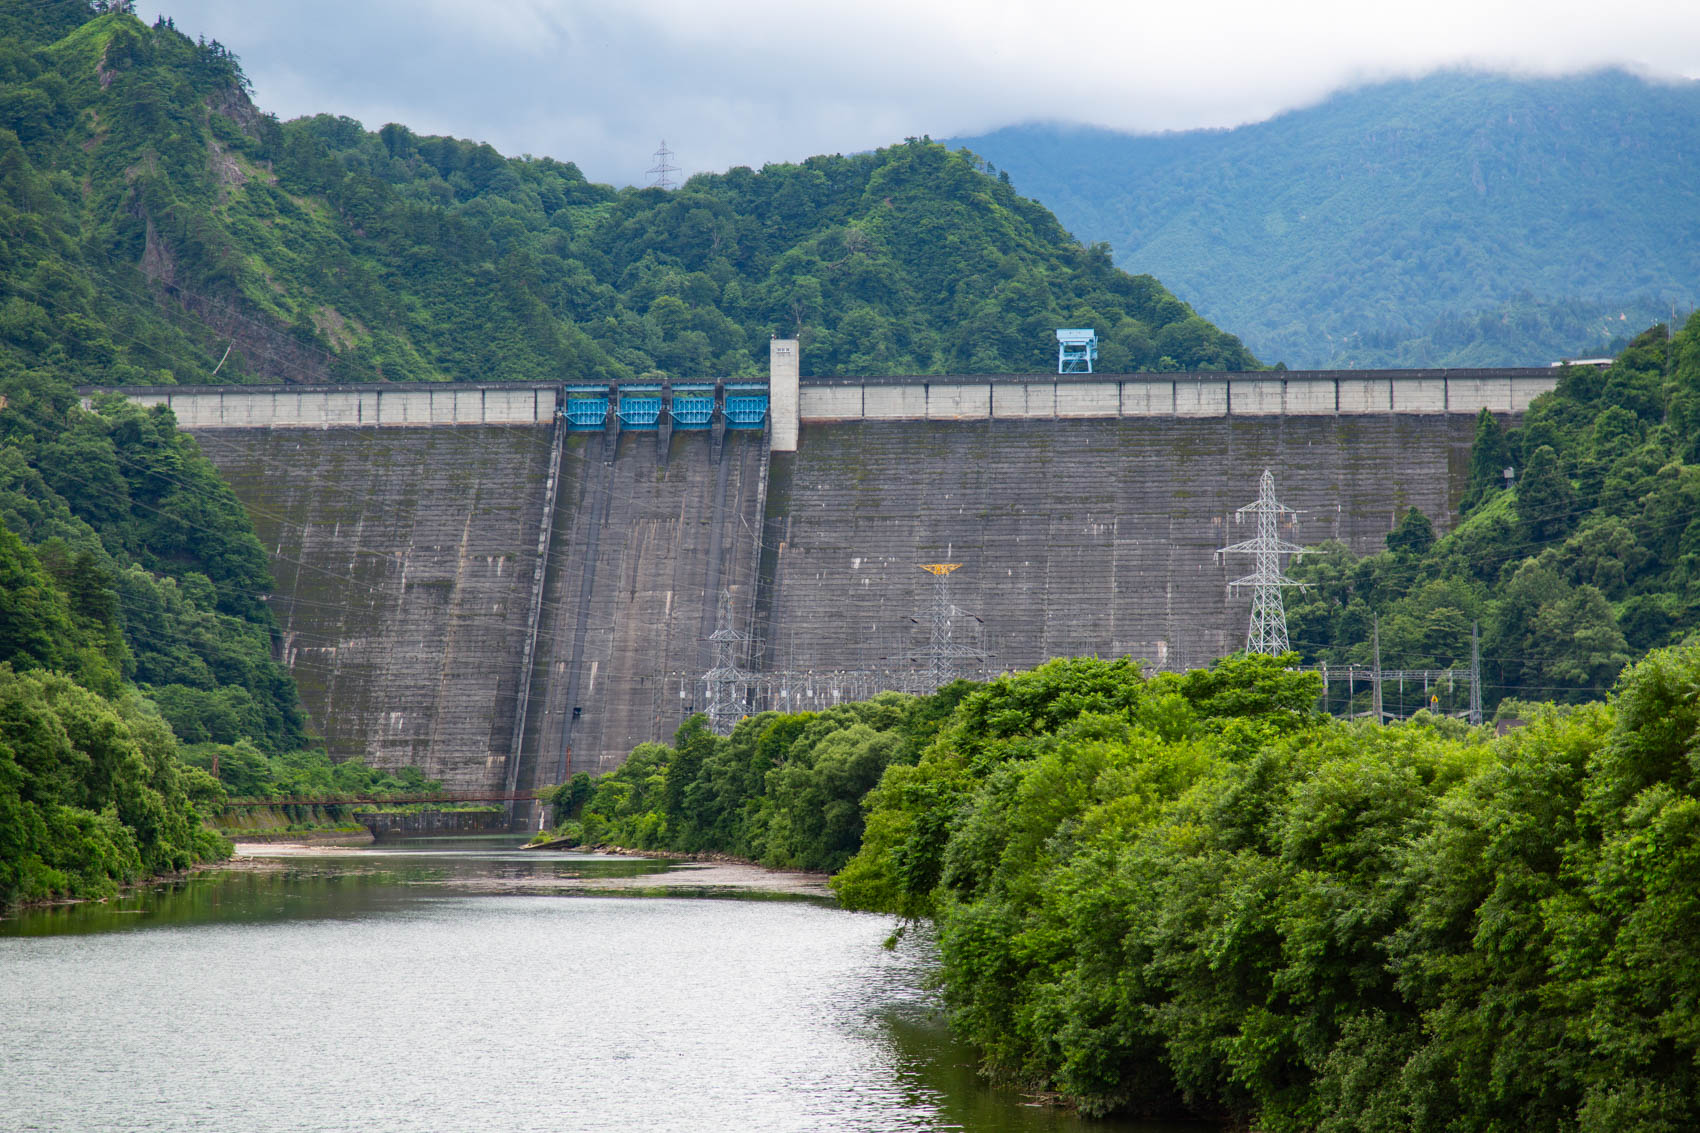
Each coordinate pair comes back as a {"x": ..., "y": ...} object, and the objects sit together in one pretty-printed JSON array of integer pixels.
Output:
[{"x": 743, "y": 82}]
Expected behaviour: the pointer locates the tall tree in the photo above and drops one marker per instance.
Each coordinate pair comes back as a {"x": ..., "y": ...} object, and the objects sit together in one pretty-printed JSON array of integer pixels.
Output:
[{"x": 1489, "y": 457}]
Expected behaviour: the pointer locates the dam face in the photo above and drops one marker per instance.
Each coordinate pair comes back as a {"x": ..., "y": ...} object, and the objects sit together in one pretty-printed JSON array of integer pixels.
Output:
[
  {"x": 1075, "y": 537},
  {"x": 644, "y": 549},
  {"x": 404, "y": 563},
  {"x": 507, "y": 585}
]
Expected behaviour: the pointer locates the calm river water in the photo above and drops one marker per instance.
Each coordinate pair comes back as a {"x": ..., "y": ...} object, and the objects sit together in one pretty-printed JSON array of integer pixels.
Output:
[{"x": 454, "y": 986}]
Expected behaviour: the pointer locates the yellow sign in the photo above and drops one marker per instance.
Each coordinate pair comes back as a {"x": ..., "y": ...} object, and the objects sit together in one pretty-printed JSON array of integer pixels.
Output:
[{"x": 939, "y": 568}]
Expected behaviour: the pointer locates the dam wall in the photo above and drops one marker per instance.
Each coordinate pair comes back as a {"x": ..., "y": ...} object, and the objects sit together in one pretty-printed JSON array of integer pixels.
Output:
[
  {"x": 1075, "y": 537},
  {"x": 422, "y": 623},
  {"x": 504, "y": 585},
  {"x": 405, "y": 562}
]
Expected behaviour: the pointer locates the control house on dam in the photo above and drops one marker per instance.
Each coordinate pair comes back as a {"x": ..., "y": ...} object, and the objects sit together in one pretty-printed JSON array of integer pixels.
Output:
[{"x": 504, "y": 584}]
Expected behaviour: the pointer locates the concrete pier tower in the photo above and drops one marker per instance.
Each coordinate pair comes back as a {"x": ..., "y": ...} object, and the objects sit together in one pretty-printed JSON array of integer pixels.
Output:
[{"x": 784, "y": 367}]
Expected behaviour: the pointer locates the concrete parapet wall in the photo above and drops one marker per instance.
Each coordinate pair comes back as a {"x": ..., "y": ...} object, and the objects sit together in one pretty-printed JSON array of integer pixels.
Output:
[
  {"x": 949, "y": 398},
  {"x": 1312, "y": 399},
  {"x": 1420, "y": 395},
  {"x": 959, "y": 402},
  {"x": 1089, "y": 399},
  {"x": 1258, "y": 394},
  {"x": 1201, "y": 399},
  {"x": 319, "y": 407},
  {"x": 1259, "y": 397},
  {"x": 894, "y": 403},
  {"x": 1365, "y": 395},
  {"x": 831, "y": 403}
]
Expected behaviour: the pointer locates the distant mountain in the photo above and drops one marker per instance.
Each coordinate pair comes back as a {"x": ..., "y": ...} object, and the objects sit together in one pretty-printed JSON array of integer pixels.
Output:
[{"x": 1461, "y": 218}]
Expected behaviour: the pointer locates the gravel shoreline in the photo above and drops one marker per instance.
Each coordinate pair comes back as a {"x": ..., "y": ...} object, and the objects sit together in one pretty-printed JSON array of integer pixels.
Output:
[{"x": 684, "y": 875}]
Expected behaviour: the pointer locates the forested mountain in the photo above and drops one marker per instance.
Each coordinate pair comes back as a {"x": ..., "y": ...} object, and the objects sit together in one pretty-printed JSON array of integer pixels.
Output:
[
  {"x": 158, "y": 227},
  {"x": 1457, "y": 219}
]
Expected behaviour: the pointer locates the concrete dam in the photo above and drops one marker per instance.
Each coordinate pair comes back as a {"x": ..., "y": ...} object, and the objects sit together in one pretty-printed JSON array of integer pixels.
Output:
[{"x": 506, "y": 584}]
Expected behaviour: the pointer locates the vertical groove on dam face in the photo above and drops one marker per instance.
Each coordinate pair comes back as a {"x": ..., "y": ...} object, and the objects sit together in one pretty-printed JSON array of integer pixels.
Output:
[
  {"x": 404, "y": 562},
  {"x": 1076, "y": 537}
]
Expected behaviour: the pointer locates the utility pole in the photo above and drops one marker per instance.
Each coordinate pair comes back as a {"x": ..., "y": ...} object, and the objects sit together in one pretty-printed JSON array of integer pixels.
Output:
[
  {"x": 1375, "y": 633},
  {"x": 1267, "y": 632},
  {"x": 1475, "y": 675}
]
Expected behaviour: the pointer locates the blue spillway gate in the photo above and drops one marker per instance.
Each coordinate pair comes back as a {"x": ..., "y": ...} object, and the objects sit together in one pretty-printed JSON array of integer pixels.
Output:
[
  {"x": 693, "y": 406},
  {"x": 640, "y": 407},
  {"x": 587, "y": 407},
  {"x": 746, "y": 405}
]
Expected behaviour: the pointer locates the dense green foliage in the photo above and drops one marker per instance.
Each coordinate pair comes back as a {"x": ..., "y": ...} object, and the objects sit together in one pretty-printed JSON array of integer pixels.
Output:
[
  {"x": 155, "y": 226},
  {"x": 132, "y": 617},
  {"x": 1461, "y": 219},
  {"x": 1590, "y": 559},
  {"x": 162, "y": 579},
  {"x": 1196, "y": 892},
  {"x": 246, "y": 772},
  {"x": 783, "y": 789},
  {"x": 91, "y": 792}
]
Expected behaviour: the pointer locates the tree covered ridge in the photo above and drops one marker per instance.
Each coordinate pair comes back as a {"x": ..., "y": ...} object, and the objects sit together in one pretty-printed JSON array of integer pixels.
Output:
[
  {"x": 1589, "y": 558},
  {"x": 92, "y": 794},
  {"x": 154, "y": 218},
  {"x": 1196, "y": 894}
]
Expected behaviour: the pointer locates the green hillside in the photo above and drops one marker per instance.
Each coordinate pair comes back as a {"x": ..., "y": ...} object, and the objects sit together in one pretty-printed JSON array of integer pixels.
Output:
[
  {"x": 1457, "y": 219},
  {"x": 156, "y": 226}
]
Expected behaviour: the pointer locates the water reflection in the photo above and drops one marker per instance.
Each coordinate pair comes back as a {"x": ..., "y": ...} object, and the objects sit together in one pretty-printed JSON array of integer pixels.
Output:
[{"x": 387, "y": 989}]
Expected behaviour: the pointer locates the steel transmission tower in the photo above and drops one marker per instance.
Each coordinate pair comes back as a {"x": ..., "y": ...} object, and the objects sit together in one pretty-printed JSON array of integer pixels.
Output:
[
  {"x": 943, "y": 655},
  {"x": 726, "y": 684},
  {"x": 1268, "y": 631},
  {"x": 664, "y": 168}
]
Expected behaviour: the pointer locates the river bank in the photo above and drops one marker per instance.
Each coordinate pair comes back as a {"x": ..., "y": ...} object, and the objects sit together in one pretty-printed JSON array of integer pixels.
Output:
[{"x": 677, "y": 874}]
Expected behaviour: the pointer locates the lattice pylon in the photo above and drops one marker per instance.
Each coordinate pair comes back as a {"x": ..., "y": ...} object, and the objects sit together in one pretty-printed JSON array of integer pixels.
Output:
[
  {"x": 664, "y": 169},
  {"x": 1267, "y": 632},
  {"x": 944, "y": 656},
  {"x": 727, "y": 685}
]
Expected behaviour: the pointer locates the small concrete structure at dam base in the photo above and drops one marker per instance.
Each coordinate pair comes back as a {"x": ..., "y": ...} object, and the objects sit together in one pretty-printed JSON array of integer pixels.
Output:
[{"x": 476, "y": 582}]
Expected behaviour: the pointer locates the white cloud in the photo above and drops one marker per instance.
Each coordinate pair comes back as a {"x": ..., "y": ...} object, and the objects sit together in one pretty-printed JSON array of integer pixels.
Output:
[{"x": 747, "y": 81}]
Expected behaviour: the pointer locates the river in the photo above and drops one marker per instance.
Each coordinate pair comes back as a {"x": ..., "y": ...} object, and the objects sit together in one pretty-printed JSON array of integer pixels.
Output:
[{"x": 469, "y": 986}]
